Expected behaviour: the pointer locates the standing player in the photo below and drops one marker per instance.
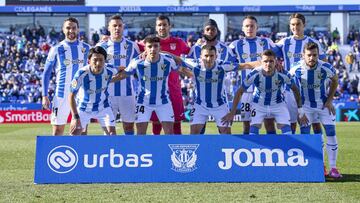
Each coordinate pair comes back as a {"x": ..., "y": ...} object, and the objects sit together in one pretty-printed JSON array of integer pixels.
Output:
[
  {"x": 268, "y": 99},
  {"x": 291, "y": 51},
  {"x": 64, "y": 59},
  {"x": 120, "y": 51},
  {"x": 177, "y": 47},
  {"x": 153, "y": 73},
  {"x": 313, "y": 75},
  {"x": 209, "y": 76},
  {"x": 91, "y": 83},
  {"x": 250, "y": 49}
]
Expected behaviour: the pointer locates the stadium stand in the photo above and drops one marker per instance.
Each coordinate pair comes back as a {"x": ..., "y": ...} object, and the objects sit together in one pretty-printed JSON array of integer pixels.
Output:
[{"x": 23, "y": 54}]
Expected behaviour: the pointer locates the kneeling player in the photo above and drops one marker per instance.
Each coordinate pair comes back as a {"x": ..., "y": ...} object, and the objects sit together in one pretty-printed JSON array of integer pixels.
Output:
[
  {"x": 268, "y": 100},
  {"x": 89, "y": 88},
  {"x": 153, "y": 95},
  {"x": 210, "y": 98}
]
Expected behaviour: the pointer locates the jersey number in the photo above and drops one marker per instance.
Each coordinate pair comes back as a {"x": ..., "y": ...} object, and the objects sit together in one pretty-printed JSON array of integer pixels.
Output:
[
  {"x": 245, "y": 107},
  {"x": 140, "y": 109}
]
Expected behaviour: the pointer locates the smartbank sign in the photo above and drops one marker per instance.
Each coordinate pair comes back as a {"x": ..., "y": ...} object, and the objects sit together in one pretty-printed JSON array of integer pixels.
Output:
[{"x": 211, "y": 158}]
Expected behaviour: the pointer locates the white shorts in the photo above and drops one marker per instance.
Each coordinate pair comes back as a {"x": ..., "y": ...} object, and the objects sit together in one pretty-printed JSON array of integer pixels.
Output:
[
  {"x": 105, "y": 117},
  {"x": 164, "y": 112},
  {"x": 200, "y": 114},
  {"x": 60, "y": 110},
  {"x": 317, "y": 115},
  {"x": 246, "y": 106},
  {"x": 125, "y": 106},
  {"x": 291, "y": 105},
  {"x": 278, "y": 111}
]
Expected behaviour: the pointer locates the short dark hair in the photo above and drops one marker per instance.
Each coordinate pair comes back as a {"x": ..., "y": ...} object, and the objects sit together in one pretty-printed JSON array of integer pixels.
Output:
[
  {"x": 97, "y": 50},
  {"x": 151, "y": 39},
  {"x": 310, "y": 46},
  {"x": 269, "y": 52},
  {"x": 250, "y": 17},
  {"x": 298, "y": 15},
  {"x": 163, "y": 17},
  {"x": 115, "y": 17},
  {"x": 208, "y": 47},
  {"x": 73, "y": 20}
]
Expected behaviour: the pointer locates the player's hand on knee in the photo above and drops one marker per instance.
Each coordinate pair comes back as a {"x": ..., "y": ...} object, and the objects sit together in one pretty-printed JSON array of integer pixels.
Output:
[
  {"x": 75, "y": 127},
  {"x": 303, "y": 121},
  {"x": 330, "y": 106},
  {"x": 227, "y": 119}
]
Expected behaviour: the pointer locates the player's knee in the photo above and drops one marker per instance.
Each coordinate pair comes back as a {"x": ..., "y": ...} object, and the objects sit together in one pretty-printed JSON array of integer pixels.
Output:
[
  {"x": 305, "y": 129},
  {"x": 330, "y": 130},
  {"x": 286, "y": 129},
  {"x": 254, "y": 130}
]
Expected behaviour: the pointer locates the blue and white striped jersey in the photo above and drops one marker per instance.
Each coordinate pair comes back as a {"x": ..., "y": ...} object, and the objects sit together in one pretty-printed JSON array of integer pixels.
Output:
[
  {"x": 153, "y": 79},
  {"x": 224, "y": 53},
  {"x": 92, "y": 90},
  {"x": 248, "y": 50},
  {"x": 313, "y": 82},
  {"x": 65, "y": 59},
  {"x": 268, "y": 89},
  {"x": 291, "y": 50},
  {"x": 120, "y": 54},
  {"x": 210, "y": 87}
]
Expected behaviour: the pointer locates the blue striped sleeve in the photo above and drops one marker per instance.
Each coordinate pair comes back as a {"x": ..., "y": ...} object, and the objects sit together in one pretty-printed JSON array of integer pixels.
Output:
[{"x": 49, "y": 67}]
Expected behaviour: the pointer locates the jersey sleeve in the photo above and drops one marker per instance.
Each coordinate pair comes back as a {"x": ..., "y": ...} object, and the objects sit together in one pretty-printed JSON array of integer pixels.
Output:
[
  {"x": 249, "y": 80},
  {"x": 185, "y": 49},
  {"x": 77, "y": 81},
  {"x": 131, "y": 68},
  {"x": 189, "y": 63},
  {"x": 230, "y": 66},
  {"x": 49, "y": 67},
  {"x": 136, "y": 50},
  {"x": 329, "y": 70}
]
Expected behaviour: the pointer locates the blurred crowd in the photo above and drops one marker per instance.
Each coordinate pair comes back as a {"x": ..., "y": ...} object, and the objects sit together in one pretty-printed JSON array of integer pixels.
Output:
[{"x": 23, "y": 54}]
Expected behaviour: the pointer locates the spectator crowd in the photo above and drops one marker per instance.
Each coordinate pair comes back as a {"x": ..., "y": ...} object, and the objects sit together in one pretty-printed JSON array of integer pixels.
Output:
[{"x": 23, "y": 54}]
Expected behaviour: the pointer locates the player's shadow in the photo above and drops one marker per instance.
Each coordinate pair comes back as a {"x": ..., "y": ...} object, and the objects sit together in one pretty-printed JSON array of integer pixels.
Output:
[{"x": 345, "y": 178}]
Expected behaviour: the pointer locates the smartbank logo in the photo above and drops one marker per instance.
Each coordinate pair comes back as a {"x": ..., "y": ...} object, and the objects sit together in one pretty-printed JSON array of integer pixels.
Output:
[
  {"x": 63, "y": 159},
  {"x": 253, "y": 157}
]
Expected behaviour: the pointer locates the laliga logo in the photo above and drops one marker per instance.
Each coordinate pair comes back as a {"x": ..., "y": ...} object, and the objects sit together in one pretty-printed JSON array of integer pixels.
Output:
[{"x": 62, "y": 159}]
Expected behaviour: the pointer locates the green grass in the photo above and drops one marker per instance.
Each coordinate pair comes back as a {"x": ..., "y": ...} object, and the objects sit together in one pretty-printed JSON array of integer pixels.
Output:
[{"x": 17, "y": 152}]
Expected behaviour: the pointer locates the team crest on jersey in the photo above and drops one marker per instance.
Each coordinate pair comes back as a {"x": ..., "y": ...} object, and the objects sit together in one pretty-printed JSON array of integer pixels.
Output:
[
  {"x": 163, "y": 66},
  {"x": 289, "y": 54},
  {"x": 126, "y": 46},
  {"x": 262, "y": 43},
  {"x": 83, "y": 50},
  {"x": 144, "y": 78},
  {"x": 172, "y": 46},
  {"x": 277, "y": 82},
  {"x": 67, "y": 62},
  {"x": 106, "y": 78},
  {"x": 244, "y": 55},
  {"x": 183, "y": 157},
  {"x": 221, "y": 50},
  {"x": 74, "y": 84},
  {"x": 109, "y": 57},
  {"x": 321, "y": 76}
]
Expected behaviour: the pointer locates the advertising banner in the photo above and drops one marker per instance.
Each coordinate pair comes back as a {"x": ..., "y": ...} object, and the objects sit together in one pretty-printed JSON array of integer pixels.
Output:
[
  {"x": 185, "y": 158},
  {"x": 25, "y": 116}
]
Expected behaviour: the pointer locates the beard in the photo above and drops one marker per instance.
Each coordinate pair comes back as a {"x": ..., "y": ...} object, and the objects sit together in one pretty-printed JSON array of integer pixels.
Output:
[{"x": 207, "y": 38}]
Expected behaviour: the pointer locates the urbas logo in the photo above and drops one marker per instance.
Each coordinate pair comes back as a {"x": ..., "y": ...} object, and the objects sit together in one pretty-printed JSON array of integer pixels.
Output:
[
  {"x": 62, "y": 159},
  {"x": 118, "y": 160},
  {"x": 262, "y": 157}
]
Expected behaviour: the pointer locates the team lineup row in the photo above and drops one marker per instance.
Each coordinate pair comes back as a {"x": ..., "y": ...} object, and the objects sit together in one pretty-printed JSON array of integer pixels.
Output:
[{"x": 99, "y": 90}]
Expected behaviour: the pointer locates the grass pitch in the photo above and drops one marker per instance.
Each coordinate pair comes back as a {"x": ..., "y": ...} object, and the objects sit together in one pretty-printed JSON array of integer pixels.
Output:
[{"x": 17, "y": 153}]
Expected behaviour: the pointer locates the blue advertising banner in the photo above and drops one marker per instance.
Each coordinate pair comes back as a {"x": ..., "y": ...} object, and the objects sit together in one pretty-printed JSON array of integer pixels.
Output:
[
  {"x": 186, "y": 158},
  {"x": 177, "y": 9},
  {"x": 17, "y": 106}
]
